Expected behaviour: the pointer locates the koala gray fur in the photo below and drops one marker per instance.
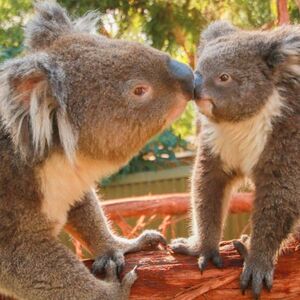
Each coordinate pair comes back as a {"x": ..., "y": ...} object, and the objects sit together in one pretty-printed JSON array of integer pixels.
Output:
[
  {"x": 76, "y": 107},
  {"x": 250, "y": 122}
]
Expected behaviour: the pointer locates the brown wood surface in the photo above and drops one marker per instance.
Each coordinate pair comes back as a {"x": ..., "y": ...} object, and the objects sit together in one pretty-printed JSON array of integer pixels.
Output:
[
  {"x": 166, "y": 276},
  {"x": 163, "y": 275},
  {"x": 282, "y": 12}
]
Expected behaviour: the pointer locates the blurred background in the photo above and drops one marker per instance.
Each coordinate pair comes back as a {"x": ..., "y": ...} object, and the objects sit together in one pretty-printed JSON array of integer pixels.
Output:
[{"x": 163, "y": 166}]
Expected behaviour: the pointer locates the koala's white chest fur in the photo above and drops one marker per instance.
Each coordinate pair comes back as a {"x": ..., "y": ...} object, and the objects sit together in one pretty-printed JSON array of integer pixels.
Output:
[
  {"x": 63, "y": 184},
  {"x": 240, "y": 145}
]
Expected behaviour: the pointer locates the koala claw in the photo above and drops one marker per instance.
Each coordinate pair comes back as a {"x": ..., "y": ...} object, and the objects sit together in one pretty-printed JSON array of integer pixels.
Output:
[
  {"x": 112, "y": 277},
  {"x": 253, "y": 271},
  {"x": 214, "y": 256},
  {"x": 258, "y": 275},
  {"x": 240, "y": 246},
  {"x": 100, "y": 263}
]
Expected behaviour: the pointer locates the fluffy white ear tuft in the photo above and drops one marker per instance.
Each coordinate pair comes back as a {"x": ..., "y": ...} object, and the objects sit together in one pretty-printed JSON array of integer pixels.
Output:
[
  {"x": 88, "y": 23},
  {"x": 32, "y": 107}
]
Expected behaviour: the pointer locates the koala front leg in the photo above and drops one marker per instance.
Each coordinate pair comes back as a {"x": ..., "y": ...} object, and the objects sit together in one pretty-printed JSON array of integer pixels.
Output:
[
  {"x": 87, "y": 222},
  {"x": 211, "y": 188},
  {"x": 35, "y": 266},
  {"x": 276, "y": 210}
]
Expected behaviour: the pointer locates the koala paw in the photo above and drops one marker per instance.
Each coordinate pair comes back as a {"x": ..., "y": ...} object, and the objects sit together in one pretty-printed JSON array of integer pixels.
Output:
[
  {"x": 121, "y": 290},
  {"x": 213, "y": 256},
  {"x": 188, "y": 246},
  {"x": 192, "y": 247},
  {"x": 100, "y": 264},
  {"x": 149, "y": 239},
  {"x": 256, "y": 271}
]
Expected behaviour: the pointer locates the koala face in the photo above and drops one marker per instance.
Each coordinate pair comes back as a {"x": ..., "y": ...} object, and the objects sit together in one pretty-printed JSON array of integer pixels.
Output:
[
  {"x": 85, "y": 94},
  {"x": 120, "y": 91},
  {"x": 237, "y": 71}
]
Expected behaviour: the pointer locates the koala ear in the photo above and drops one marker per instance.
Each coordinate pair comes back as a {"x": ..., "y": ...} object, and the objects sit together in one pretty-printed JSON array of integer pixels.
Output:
[
  {"x": 49, "y": 22},
  {"x": 32, "y": 106},
  {"x": 216, "y": 30},
  {"x": 285, "y": 53},
  {"x": 52, "y": 21}
]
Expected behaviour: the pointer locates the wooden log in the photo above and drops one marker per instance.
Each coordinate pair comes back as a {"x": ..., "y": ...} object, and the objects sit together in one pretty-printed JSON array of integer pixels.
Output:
[
  {"x": 163, "y": 276},
  {"x": 168, "y": 204}
]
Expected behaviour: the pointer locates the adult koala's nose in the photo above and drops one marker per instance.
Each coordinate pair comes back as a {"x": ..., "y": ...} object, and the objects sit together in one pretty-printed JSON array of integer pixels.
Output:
[
  {"x": 198, "y": 86},
  {"x": 184, "y": 74}
]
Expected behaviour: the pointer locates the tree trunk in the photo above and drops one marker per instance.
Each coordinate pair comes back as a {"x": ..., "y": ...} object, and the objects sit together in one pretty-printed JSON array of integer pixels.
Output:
[{"x": 282, "y": 12}]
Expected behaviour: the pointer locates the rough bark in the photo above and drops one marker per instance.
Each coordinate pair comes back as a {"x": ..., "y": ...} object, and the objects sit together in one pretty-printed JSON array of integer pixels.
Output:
[{"x": 165, "y": 276}]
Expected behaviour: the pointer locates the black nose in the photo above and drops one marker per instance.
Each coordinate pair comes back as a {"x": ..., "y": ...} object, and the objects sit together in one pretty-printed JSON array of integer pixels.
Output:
[
  {"x": 198, "y": 85},
  {"x": 184, "y": 74}
]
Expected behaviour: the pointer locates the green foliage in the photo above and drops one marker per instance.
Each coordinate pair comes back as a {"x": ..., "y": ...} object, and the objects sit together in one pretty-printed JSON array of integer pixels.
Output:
[
  {"x": 294, "y": 11},
  {"x": 6, "y": 53},
  {"x": 12, "y": 16},
  {"x": 249, "y": 14},
  {"x": 159, "y": 153},
  {"x": 185, "y": 125}
]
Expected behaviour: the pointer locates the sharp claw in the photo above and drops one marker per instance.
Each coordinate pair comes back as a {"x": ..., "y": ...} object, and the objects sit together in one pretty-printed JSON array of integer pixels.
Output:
[
  {"x": 241, "y": 248},
  {"x": 217, "y": 261},
  {"x": 119, "y": 270},
  {"x": 244, "y": 285},
  {"x": 269, "y": 280},
  {"x": 202, "y": 263},
  {"x": 256, "y": 295},
  {"x": 135, "y": 268},
  {"x": 130, "y": 277},
  {"x": 99, "y": 265}
]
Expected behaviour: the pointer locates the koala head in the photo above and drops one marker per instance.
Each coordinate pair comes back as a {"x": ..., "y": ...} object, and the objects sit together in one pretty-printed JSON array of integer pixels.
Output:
[
  {"x": 238, "y": 71},
  {"x": 76, "y": 91}
]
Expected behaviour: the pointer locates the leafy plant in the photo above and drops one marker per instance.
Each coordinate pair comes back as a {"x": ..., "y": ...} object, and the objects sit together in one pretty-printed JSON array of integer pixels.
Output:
[{"x": 159, "y": 153}]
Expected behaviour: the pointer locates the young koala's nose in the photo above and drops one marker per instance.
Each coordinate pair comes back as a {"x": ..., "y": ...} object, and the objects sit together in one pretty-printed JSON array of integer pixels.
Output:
[
  {"x": 184, "y": 74},
  {"x": 198, "y": 85}
]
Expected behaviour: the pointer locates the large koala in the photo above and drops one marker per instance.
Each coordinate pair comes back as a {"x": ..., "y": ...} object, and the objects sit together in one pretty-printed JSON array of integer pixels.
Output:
[
  {"x": 75, "y": 108},
  {"x": 247, "y": 88}
]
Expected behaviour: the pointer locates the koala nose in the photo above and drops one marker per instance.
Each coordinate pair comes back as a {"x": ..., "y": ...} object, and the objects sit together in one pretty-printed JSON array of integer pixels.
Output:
[
  {"x": 184, "y": 74},
  {"x": 198, "y": 85}
]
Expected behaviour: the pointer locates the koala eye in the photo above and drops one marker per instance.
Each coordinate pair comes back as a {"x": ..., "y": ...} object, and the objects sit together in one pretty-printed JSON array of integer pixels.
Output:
[
  {"x": 140, "y": 90},
  {"x": 224, "y": 77}
]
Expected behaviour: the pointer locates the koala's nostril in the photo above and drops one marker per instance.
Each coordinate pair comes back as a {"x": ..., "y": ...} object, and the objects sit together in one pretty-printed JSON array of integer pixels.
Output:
[
  {"x": 184, "y": 74},
  {"x": 198, "y": 85}
]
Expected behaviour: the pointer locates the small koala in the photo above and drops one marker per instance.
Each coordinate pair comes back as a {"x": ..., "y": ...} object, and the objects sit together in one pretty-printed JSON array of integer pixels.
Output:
[
  {"x": 76, "y": 107},
  {"x": 247, "y": 88}
]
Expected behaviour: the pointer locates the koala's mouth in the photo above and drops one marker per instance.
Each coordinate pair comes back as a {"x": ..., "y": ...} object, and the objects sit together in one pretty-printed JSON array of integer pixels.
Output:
[{"x": 205, "y": 106}]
